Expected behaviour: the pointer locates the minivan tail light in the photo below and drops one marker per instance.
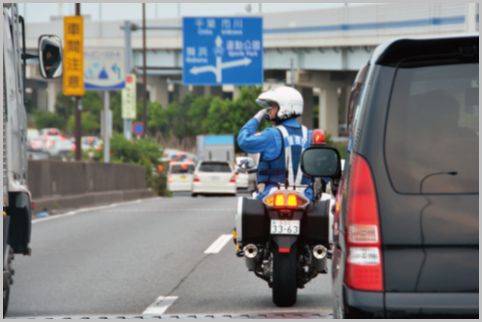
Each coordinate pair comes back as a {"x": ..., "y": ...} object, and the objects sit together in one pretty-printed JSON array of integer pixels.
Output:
[
  {"x": 196, "y": 179},
  {"x": 233, "y": 178},
  {"x": 364, "y": 265}
]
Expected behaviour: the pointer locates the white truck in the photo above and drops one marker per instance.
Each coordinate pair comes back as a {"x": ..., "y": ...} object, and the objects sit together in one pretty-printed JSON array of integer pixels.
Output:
[
  {"x": 17, "y": 211},
  {"x": 216, "y": 147}
]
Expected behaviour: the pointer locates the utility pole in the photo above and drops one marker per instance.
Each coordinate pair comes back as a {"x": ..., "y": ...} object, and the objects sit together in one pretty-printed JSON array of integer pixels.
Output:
[
  {"x": 78, "y": 114},
  {"x": 144, "y": 76}
]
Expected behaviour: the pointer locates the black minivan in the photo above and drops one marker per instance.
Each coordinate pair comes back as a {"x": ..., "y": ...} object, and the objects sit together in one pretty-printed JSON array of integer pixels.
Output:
[{"x": 406, "y": 228}]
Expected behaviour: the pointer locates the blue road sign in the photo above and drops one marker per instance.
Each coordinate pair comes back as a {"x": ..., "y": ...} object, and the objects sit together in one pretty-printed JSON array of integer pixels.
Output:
[
  {"x": 104, "y": 69},
  {"x": 138, "y": 128},
  {"x": 222, "y": 50}
]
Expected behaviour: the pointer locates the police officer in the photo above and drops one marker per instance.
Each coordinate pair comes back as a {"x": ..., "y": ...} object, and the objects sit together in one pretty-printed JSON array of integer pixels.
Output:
[{"x": 280, "y": 146}]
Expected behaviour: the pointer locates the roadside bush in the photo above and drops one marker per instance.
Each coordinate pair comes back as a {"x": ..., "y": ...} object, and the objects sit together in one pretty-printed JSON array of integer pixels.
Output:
[
  {"x": 144, "y": 152},
  {"x": 340, "y": 146},
  {"x": 48, "y": 119}
]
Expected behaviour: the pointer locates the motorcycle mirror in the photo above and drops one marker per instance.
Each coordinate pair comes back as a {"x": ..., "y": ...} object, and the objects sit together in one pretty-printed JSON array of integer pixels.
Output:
[{"x": 321, "y": 162}]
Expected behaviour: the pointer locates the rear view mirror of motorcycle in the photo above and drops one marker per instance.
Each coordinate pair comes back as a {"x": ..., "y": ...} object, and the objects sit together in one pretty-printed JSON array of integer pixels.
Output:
[
  {"x": 321, "y": 162},
  {"x": 50, "y": 56}
]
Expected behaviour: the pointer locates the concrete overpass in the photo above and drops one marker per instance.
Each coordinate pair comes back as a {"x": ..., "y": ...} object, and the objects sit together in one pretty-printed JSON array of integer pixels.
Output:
[{"x": 324, "y": 48}]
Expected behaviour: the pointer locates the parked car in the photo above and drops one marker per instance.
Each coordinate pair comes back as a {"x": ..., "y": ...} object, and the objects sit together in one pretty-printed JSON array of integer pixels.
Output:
[
  {"x": 406, "y": 229},
  {"x": 50, "y": 132},
  {"x": 91, "y": 143},
  {"x": 58, "y": 147},
  {"x": 180, "y": 176},
  {"x": 213, "y": 177}
]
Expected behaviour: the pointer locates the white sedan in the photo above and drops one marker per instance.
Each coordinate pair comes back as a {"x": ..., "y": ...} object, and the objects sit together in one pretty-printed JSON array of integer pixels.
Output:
[
  {"x": 213, "y": 177},
  {"x": 179, "y": 176}
]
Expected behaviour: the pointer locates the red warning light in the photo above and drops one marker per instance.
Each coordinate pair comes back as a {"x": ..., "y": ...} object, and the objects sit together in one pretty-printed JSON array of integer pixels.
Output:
[{"x": 319, "y": 137}]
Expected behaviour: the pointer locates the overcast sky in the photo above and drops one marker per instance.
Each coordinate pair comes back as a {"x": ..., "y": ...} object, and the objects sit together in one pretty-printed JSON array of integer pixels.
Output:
[{"x": 38, "y": 12}]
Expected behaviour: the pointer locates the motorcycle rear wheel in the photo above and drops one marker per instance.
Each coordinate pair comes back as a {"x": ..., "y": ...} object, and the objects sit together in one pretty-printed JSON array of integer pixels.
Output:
[{"x": 285, "y": 286}]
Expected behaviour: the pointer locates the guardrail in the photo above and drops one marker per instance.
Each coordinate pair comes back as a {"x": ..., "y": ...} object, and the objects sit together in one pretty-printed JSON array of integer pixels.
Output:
[{"x": 59, "y": 185}]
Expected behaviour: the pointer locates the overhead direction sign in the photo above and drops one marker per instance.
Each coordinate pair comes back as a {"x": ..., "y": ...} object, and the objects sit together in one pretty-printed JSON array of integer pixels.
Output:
[
  {"x": 73, "y": 65},
  {"x": 222, "y": 50},
  {"x": 104, "y": 69}
]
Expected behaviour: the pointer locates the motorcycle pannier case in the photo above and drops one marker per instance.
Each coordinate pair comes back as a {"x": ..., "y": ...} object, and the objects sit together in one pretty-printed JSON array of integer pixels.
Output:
[
  {"x": 251, "y": 221},
  {"x": 314, "y": 226}
]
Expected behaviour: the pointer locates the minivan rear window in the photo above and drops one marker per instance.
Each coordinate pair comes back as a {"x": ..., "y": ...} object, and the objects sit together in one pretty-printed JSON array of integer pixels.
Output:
[
  {"x": 431, "y": 140},
  {"x": 215, "y": 167},
  {"x": 182, "y": 168}
]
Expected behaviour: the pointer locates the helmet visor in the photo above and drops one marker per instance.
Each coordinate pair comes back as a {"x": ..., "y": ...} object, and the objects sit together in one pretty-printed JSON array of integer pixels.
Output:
[{"x": 267, "y": 104}]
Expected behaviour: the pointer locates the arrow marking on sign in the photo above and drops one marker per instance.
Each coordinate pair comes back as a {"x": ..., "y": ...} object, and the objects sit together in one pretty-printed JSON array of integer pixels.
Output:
[
  {"x": 217, "y": 70},
  {"x": 235, "y": 63}
]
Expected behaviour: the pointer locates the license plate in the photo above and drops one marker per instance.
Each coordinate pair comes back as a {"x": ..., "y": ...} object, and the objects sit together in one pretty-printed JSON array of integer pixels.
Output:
[
  {"x": 183, "y": 177},
  {"x": 285, "y": 227}
]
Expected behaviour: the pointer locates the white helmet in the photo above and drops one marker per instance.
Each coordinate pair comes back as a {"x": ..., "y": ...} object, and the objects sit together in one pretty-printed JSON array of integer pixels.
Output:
[{"x": 288, "y": 99}]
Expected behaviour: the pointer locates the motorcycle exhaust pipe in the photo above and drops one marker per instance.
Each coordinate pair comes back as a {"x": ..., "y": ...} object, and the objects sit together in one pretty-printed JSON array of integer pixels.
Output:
[
  {"x": 250, "y": 252},
  {"x": 319, "y": 253}
]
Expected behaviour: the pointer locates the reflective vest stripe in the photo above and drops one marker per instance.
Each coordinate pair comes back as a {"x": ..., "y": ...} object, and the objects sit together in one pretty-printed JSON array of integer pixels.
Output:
[
  {"x": 299, "y": 175},
  {"x": 288, "y": 158},
  {"x": 291, "y": 140}
]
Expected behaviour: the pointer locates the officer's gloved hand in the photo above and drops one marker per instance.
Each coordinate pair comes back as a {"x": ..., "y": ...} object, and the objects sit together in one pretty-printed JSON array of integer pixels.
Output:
[{"x": 261, "y": 115}]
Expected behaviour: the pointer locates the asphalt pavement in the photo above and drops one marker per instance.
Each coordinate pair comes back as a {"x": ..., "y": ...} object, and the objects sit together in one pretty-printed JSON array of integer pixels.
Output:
[{"x": 146, "y": 257}]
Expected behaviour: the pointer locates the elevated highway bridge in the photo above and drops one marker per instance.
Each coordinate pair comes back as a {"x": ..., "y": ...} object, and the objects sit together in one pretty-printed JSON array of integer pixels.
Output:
[{"x": 320, "y": 51}]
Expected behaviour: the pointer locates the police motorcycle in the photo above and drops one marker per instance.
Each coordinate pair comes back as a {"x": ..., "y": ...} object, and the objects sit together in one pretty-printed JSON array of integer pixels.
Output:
[{"x": 284, "y": 238}]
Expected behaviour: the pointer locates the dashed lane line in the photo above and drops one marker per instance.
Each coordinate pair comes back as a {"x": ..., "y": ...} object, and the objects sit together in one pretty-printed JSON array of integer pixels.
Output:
[
  {"x": 218, "y": 244},
  {"x": 159, "y": 306}
]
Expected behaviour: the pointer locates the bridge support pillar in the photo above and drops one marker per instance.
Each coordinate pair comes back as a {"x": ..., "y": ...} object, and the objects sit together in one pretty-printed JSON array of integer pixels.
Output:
[
  {"x": 158, "y": 90},
  {"x": 54, "y": 87},
  {"x": 214, "y": 91},
  {"x": 307, "y": 117},
  {"x": 179, "y": 92},
  {"x": 236, "y": 92},
  {"x": 198, "y": 91},
  {"x": 328, "y": 109}
]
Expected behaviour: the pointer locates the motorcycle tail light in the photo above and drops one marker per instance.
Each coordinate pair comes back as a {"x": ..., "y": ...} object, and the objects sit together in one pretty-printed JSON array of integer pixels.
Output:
[
  {"x": 269, "y": 201},
  {"x": 292, "y": 200},
  {"x": 283, "y": 200},
  {"x": 279, "y": 200}
]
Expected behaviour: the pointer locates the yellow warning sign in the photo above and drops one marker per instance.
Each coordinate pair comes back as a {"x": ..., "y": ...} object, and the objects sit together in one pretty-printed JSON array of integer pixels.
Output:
[{"x": 73, "y": 78}]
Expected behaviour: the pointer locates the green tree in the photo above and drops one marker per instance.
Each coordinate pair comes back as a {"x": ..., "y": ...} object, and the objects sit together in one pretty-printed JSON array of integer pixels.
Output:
[
  {"x": 90, "y": 124},
  {"x": 116, "y": 107},
  {"x": 48, "y": 119},
  {"x": 157, "y": 120}
]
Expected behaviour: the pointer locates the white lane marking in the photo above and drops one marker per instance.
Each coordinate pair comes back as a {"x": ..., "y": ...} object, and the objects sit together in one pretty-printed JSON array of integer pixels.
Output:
[
  {"x": 218, "y": 244},
  {"x": 160, "y": 305},
  {"x": 78, "y": 211},
  {"x": 174, "y": 210}
]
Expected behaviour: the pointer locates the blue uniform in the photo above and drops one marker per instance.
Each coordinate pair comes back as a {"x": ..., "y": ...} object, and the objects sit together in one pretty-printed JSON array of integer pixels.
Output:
[{"x": 271, "y": 145}]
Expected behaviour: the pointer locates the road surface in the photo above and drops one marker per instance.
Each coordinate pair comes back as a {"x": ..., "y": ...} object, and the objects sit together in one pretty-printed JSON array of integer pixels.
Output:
[{"x": 146, "y": 257}]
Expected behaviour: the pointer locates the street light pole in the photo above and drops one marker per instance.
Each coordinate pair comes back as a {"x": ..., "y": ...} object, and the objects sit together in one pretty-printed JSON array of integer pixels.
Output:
[
  {"x": 78, "y": 115},
  {"x": 144, "y": 76}
]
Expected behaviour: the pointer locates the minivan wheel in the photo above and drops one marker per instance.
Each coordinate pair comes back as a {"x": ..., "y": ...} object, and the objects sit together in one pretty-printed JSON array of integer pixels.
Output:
[{"x": 285, "y": 286}]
